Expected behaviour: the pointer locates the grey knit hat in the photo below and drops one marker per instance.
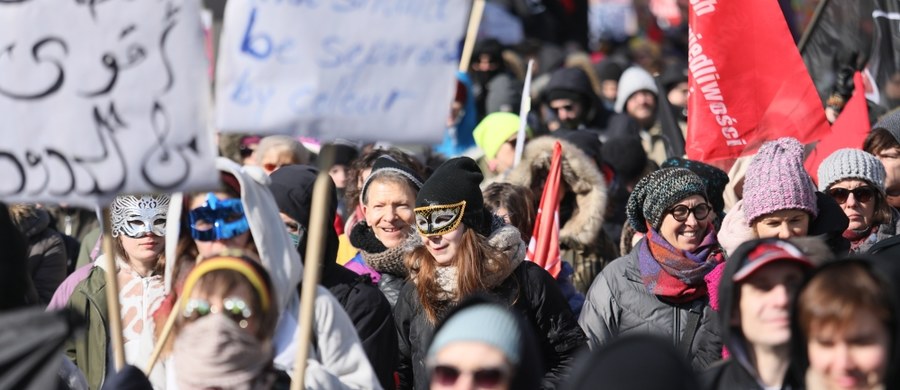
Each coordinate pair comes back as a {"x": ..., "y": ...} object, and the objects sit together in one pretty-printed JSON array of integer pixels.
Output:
[
  {"x": 659, "y": 191},
  {"x": 487, "y": 323},
  {"x": 891, "y": 123},
  {"x": 851, "y": 164}
]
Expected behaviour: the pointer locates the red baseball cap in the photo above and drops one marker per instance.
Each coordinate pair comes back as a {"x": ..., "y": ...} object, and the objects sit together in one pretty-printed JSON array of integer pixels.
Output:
[{"x": 770, "y": 252}]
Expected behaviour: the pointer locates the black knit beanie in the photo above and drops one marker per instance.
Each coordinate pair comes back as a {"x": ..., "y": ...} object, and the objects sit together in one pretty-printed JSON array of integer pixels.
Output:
[
  {"x": 659, "y": 191},
  {"x": 457, "y": 180},
  {"x": 714, "y": 178}
]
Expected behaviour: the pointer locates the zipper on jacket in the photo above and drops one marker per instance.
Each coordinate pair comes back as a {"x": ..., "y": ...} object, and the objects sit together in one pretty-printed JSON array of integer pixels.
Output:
[{"x": 676, "y": 326}]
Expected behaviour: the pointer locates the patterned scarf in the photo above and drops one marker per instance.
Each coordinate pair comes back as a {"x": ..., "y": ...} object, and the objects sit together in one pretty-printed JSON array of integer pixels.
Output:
[
  {"x": 858, "y": 238},
  {"x": 674, "y": 275}
]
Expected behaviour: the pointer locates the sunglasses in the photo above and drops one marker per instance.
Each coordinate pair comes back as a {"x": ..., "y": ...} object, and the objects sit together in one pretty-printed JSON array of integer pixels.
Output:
[
  {"x": 233, "y": 307},
  {"x": 681, "y": 212},
  {"x": 861, "y": 194},
  {"x": 446, "y": 375}
]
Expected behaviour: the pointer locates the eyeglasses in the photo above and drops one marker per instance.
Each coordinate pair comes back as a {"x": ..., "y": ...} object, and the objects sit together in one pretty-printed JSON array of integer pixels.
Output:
[
  {"x": 233, "y": 307},
  {"x": 861, "y": 194},
  {"x": 681, "y": 212},
  {"x": 489, "y": 377}
]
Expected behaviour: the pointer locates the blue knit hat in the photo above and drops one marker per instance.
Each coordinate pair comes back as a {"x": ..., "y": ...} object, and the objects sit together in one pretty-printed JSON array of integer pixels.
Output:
[{"x": 487, "y": 323}]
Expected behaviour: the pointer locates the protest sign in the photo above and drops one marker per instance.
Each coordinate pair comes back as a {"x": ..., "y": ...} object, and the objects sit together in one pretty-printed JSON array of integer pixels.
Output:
[
  {"x": 101, "y": 98},
  {"x": 358, "y": 69}
]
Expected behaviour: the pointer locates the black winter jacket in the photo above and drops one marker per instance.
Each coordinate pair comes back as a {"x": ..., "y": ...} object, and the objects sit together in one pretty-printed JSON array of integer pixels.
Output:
[{"x": 531, "y": 291}]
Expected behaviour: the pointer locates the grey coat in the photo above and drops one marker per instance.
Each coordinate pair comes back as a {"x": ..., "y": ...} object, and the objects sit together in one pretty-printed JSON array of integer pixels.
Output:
[{"x": 618, "y": 303}]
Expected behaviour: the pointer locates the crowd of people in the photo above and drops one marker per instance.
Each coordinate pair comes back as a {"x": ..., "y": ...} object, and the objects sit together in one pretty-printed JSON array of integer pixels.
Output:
[{"x": 672, "y": 273}]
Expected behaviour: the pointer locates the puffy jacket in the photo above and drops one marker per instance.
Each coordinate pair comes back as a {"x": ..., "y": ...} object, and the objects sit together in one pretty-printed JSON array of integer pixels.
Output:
[
  {"x": 619, "y": 303},
  {"x": 47, "y": 256},
  {"x": 529, "y": 290}
]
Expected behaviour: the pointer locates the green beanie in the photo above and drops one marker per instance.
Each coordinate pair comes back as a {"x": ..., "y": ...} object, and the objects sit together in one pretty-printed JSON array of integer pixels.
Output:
[{"x": 494, "y": 130}]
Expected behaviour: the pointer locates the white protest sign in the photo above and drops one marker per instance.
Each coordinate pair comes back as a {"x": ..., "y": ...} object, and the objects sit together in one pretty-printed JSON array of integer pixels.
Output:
[
  {"x": 102, "y": 97},
  {"x": 357, "y": 69}
]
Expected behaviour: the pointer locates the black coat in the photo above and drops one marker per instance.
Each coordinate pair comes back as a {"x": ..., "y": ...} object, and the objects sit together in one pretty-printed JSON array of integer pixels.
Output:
[
  {"x": 371, "y": 315},
  {"x": 531, "y": 291}
]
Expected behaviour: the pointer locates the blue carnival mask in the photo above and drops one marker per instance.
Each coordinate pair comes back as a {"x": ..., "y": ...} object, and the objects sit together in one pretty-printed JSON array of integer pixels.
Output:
[{"x": 218, "y": 219}]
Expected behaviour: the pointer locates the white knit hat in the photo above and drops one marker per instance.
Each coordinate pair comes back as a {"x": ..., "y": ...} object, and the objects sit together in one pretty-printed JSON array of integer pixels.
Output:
[
  {"x": 633, "y": 80},
  {"x": 851, "y": 164}
]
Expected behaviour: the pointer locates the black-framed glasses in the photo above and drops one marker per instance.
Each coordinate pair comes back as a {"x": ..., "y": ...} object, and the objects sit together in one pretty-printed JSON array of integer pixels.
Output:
[
  {"x": 681, "y": 212},
  {"x": 861, "y": 194},
  {"x": 488, "y": 377}
]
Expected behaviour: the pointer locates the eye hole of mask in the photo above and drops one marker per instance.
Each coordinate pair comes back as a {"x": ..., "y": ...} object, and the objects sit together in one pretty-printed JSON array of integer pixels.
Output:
[{"x": 439, "y": 219}]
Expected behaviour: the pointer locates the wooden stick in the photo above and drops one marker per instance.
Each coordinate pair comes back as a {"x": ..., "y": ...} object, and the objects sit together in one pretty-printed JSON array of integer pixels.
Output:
[
  {"x": 164, "y": 336},
  {"x": 112, "y": 294},
  {"x": 311, "y": 265},
  {"x": 471, "y": 35}
]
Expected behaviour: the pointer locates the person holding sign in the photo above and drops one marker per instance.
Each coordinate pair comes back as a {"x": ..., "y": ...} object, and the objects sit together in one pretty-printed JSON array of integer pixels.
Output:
[
  {"x": 138, "y": 227},
  {"x": 466, "y": 249},
  {"x": 243, "y": 215}
]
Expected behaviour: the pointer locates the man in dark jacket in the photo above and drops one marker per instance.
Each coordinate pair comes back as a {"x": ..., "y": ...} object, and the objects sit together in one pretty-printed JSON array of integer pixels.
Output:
[
  {"x": 292, "y": 187},
  {"x": 756, "y": 297},
  {"x": 573, "y": 105}
]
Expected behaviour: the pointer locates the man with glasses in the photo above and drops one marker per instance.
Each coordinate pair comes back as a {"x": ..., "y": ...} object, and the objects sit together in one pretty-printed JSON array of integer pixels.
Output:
[{"x": 570, "y": 103}]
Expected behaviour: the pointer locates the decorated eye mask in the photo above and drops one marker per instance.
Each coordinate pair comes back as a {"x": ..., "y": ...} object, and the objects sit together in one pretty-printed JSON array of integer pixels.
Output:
[
  {"x": 439, "y": 219},
  {"x": 137, "y": 217},
  {"x": 218, "y": 219}
]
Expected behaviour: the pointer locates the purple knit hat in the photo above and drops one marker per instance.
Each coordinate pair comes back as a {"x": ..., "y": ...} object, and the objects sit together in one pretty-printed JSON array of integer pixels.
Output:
[{"x": 776, "y": 180}]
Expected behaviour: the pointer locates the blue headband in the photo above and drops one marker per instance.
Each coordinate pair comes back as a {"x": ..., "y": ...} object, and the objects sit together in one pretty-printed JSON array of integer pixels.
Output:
[{"x": 218, "y": 219}]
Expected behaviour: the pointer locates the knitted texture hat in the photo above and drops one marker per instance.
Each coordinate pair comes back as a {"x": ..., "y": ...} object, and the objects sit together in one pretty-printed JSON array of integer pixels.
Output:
[
  {"x": 659, "y": 191},
  {"x": 714, "y": 178},
  {"x": 456, "y": 180},
  {"x": 776, "y": 180},
  {"x": 633, "y": 80},
  {"x": 494, "y": 130},
  {"x": 851, "y": 164},
  {"x": 891, "y": 123},
  {"x": 387, "y": 164},
  {"x": 487, "y": 323}
]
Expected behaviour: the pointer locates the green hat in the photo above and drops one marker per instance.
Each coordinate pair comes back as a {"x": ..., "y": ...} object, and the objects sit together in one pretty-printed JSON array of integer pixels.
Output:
[{"x": 494, "y": 130}]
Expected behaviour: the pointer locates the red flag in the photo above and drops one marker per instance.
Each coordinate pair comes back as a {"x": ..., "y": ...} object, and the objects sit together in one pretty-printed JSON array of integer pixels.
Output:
[
  {"x": 543, "y": 249},
  {"x": 848, "y": 131},
  {"x": 748, "y": 82}
]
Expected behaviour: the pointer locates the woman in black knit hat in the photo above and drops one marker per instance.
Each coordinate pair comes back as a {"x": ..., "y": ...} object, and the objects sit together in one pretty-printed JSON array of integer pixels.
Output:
[
  {"x": 661, "y": 287},
  {"x": 467, "y": 250}
]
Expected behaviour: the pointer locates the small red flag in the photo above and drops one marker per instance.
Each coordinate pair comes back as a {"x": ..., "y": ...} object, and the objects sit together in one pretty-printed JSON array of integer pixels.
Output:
[
  {"x": 543, "y": 249},
  {"x": 849, "y": 130},
  {"x": 748, "y": 82}
]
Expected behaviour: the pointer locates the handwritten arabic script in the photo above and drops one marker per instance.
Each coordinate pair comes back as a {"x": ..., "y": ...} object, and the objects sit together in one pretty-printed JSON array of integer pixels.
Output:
[{"x": 100, "y": 97}]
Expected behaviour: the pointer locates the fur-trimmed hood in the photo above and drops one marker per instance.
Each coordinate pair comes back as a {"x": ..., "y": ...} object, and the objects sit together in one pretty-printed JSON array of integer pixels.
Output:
[{"x": 582, "y": 176}]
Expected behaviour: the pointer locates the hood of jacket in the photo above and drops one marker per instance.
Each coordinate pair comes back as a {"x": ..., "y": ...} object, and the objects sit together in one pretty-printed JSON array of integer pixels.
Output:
[
  {"x": 276, "y": 252},
  {"x": 29, "y": 219},
  {"x": 292, "y": 187},
  {"x": 581, "y": 175},
  {"x": 572, "y": 80}
]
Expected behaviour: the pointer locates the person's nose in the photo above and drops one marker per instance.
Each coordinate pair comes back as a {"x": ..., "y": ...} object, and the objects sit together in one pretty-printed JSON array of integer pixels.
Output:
[
  {"x": 780, "y": 295},
  {"x": 784, "y": 231}
]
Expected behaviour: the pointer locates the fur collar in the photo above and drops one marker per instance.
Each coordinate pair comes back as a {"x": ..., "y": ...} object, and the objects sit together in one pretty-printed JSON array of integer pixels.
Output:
[
  {"x": 505, "y": 238},
  {"x": 583, "y": 177}
]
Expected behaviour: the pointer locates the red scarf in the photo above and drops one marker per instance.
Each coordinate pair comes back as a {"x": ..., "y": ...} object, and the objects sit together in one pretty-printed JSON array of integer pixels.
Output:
[{"x": 675, "y": 275}]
